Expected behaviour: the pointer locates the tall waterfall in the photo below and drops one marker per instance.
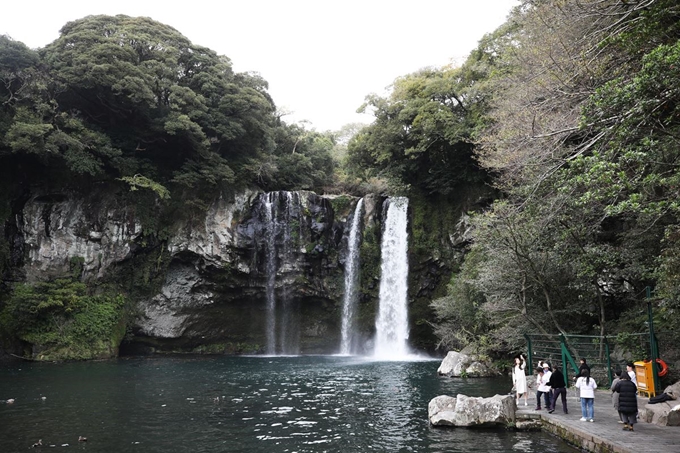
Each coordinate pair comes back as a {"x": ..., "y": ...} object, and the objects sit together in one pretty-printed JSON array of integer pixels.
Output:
[
  {"x": 288, "y": 328},
  {"x": 269, "y": 206},
  {"x": 351, "y": 281},
  {"x": 392, "y": 321},
  {"x": 281, "y": 315}
]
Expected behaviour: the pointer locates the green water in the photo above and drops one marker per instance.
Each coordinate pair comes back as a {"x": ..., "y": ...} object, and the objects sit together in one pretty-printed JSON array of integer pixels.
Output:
[{"x": 243, "y": 404}]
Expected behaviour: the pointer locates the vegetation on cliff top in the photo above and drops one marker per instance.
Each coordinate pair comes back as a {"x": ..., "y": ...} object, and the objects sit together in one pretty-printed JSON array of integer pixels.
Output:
[{"x": 131, "y": 101}]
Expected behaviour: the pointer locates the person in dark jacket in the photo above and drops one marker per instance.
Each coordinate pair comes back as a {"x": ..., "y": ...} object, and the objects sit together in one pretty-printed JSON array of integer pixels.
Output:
[
  {"x": 627, "y": 401},
  {"x": 583, "y": 365},
  {"x": 558, "y": 385}
]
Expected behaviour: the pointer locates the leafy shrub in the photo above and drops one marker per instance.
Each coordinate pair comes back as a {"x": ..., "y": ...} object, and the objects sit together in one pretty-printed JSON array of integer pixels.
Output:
[{"x": 63, "y": 322}]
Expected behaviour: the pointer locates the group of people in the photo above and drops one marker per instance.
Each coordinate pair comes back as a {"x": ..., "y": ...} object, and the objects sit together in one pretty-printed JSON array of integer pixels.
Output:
[{"x": 551, "y": 384}]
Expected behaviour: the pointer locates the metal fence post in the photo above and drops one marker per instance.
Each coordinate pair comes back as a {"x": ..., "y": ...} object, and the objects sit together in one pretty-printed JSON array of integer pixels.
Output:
[
  {"x": 654, "y": 350},
  {"x": 609, "y": 361},
  {"x": 564, "y": 360},
  {"x": 529, "y": 351}
]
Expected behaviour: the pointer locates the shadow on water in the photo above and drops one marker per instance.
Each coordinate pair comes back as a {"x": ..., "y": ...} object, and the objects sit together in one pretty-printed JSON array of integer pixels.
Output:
[{"x": 244, "y": 404}]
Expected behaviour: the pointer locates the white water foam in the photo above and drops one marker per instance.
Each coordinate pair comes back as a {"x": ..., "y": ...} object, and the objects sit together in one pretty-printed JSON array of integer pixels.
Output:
[{"x": 392, "y": 322}]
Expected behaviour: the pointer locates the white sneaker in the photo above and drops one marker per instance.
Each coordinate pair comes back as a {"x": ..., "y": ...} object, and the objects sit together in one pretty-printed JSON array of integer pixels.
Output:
[
  {"x": 583, "y": 419},
  {"x": 591, "y": 420},
  {"x": 525, "y": 403}
]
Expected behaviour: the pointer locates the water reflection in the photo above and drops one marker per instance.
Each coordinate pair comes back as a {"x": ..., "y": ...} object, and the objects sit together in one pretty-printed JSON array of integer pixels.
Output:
[{"x": 248, "y": 404}]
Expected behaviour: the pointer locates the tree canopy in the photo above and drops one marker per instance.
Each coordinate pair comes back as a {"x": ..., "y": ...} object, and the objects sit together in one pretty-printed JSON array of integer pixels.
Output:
[
  {"x": 132, "y": 100},
  {"x": 422, "y": 133}
]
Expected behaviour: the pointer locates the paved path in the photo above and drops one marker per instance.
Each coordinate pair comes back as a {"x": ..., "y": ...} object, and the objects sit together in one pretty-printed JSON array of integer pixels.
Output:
[{"x": 605, "y": 434}]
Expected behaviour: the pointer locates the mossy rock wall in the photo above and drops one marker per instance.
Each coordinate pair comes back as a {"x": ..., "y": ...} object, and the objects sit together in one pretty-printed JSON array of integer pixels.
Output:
[{"x": 200, "y": 284}]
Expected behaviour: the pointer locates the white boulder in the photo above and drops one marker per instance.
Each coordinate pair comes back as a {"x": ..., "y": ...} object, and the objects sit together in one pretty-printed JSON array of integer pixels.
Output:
[
  {"x": 459, "y": 364},
  {"x": 471, "y": 411}
]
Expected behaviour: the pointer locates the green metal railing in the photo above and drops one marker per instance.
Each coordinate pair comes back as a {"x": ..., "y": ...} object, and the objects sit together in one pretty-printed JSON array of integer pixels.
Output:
[{"x": 568, "y": 349}]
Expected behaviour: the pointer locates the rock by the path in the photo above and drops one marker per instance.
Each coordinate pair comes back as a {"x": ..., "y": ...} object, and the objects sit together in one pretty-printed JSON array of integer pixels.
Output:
[
  {"x": 666, "y": 413},
  {"x": 471, "y": 411},
  {"x": 673, "y": 391},
  {"x": 457, "y": 364}
]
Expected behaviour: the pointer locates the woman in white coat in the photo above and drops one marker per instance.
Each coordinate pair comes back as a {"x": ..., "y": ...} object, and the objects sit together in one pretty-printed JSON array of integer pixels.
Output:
[
  {"x": 519, "y": 378},
  {"x": 587, "y": 387}
]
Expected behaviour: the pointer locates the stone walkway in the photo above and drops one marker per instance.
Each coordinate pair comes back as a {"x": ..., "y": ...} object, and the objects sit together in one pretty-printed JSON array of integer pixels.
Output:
[{"x": 605, "y": 434}]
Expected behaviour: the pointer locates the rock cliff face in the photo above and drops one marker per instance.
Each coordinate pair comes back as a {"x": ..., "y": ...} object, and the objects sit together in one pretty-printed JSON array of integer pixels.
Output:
[
  {"x": 259, "y": 272},
  {"x": 254, "y": 262},
  {"x": 55, "y": 228}
]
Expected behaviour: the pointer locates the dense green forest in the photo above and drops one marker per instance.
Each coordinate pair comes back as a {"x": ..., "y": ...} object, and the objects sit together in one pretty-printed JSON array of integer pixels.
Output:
[
  {"x": 131, "y": 101},
  {"x": 570, "y": 111}
]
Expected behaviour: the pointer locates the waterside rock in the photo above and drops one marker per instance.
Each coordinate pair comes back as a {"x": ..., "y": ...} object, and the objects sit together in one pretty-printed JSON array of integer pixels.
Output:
[
  {"x": 459, "y": 364},
  {"x": 471, "y": 411}
]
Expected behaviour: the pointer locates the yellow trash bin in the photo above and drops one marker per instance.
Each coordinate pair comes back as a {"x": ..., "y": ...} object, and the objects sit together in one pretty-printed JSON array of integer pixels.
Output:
[{"x": 645, "y": 378}]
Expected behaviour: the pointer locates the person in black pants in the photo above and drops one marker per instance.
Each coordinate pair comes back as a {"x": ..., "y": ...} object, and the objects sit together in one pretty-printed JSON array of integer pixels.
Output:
[
  {"x": 627, "y": 401},
  {"x": 558, "y": 385}
]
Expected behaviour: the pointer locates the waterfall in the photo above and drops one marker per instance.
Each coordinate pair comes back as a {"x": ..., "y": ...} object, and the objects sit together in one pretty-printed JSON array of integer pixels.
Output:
[
  {"x": 269, "y": 205},
  {"x": 288, "y": 328},
  {"x": 281, "y": 315},
  {"x": 392, "y": 321},
  {"x": 351, "y": 281}
]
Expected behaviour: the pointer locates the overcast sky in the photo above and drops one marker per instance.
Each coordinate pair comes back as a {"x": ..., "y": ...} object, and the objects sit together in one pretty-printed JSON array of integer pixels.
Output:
[{"x": 320, "y": 57}]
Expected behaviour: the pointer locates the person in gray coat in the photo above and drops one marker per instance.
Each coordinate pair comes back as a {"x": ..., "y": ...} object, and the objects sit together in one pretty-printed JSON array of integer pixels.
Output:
[
  {"x": 627, "y": 401},
  {"x": 615, "y": 395}
]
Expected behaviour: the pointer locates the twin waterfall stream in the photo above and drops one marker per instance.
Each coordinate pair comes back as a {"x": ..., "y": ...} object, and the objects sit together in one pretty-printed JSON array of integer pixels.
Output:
[
  {"x": 351, "y": 281},
  {"x": 392, "y": 323},
  {"x": 281, "y": 214}
]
